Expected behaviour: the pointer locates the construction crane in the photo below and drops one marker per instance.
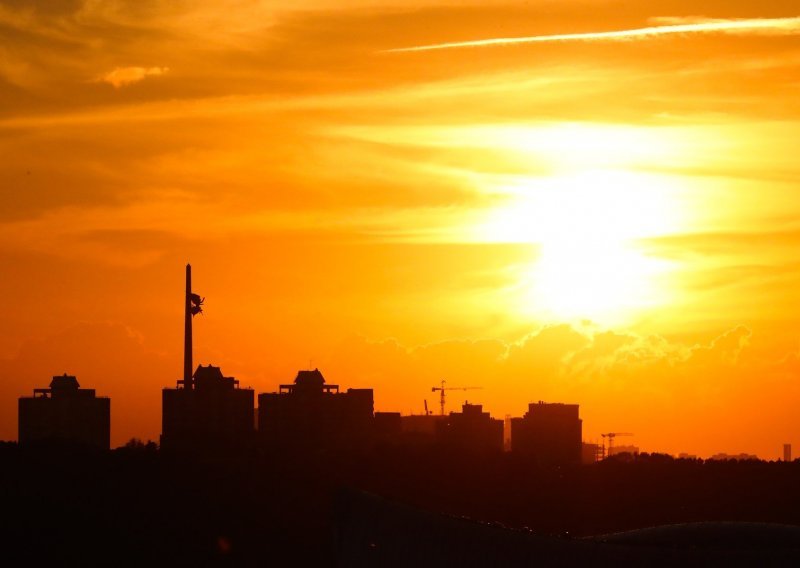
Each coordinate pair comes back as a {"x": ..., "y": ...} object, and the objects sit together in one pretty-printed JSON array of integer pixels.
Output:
[
  {"x": 442, "y": 390},
  {"x": 611, "y": 436}
]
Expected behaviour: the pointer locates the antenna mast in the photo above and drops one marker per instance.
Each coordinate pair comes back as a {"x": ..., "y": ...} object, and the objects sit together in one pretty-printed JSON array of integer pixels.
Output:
[{"x": 187, "y": 332}]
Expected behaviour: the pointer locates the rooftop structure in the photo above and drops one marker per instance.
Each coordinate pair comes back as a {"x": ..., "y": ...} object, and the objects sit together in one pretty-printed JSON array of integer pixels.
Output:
[
  {"x": 309, "y": 383},
  {"x": 210, "y": 410},
  {"x": 66, "y": 413},
  {"x": 310, "y": 412}
]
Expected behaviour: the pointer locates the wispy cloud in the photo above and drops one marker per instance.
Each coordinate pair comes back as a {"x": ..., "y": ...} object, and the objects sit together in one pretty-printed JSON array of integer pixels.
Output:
[
  {"x": 122, "y": 76},
  {"x": 667, "y": 26}
]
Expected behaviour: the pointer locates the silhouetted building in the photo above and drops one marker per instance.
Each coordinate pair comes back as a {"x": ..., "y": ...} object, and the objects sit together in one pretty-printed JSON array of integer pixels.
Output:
[
  {"x": 591, "y": 453},
  {"x": 549, "y": 431},
  {"x": 210, "y": 411},
  {"x": 207, "y": 410},
  {"x": 421, "y": 424},
  {"x": 388, "y": 426},
  {"x": 66, "y": 413},
  {"x": 310, "y": 412},
  {"x": 471, "y": 429},
  {"x": 623, "y": 449},
  {"x": 416, "y": 430},
  {"x": 411, "y": 430},
  {"x": 731, "y": 457},
  {"x": 787, "y": 452}
]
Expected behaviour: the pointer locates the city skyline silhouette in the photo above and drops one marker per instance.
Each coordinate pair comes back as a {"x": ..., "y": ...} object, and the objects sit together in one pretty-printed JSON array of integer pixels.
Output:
[
  {"x": 192, "y": 422},
  {"x": 384, "y": 282},
  {"x": 373, "y": 489}
]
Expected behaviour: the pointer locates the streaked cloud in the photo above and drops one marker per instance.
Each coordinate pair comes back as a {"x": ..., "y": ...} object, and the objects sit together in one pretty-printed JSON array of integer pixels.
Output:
[
  {"x": 123, "y": 76},
  {"x": 669, "y": 26}
]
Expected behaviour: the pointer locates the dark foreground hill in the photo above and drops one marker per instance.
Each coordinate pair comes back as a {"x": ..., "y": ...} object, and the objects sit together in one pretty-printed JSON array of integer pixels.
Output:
[
  {"x": 137, "y": 506},
  {"x": 373, "y": 532}
]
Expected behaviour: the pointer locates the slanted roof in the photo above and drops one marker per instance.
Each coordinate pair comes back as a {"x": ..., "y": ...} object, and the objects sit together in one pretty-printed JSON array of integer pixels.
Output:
[
  {"x": 209, "y": 372},
  {"x": 309, "y": 379},
  {"x": 309, "y": 383},
  {"x": 210, "y": 377},
  {"x": 64, "y": 382}
]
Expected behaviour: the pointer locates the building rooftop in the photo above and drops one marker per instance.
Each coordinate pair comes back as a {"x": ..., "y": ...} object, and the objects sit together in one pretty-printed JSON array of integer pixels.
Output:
[
  {"x": 309, "y": 379},
  {"x": 210, "y": 377},
  {"x": 64, "y": 382},
  {"x": 64, "y": 386},
  {"x": 309, "y": 382}
]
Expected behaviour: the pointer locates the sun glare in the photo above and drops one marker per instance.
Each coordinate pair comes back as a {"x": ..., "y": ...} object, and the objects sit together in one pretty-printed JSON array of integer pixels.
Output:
[{"x": 586, "y": 228}]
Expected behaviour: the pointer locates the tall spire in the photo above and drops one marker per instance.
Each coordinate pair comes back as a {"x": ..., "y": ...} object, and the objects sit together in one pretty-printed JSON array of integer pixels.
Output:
[{"x": 187, "y": 333}]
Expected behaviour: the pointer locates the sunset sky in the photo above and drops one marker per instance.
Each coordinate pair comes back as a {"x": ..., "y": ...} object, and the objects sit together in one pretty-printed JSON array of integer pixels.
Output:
[{"x": 584, "y": 201}]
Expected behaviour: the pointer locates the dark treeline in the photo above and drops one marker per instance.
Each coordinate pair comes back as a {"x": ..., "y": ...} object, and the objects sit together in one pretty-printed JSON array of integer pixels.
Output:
[{"x": 137, "y": 504}]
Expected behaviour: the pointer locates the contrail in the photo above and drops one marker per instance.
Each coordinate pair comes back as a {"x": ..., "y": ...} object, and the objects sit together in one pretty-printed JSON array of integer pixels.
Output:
[{"x": 763, "y": 26}]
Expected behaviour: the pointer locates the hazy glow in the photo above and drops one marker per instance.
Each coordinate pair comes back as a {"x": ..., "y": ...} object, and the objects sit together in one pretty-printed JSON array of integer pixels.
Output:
[
  {"x": 586, "y": 220},
  {"x": 586, "y": 225},
  {"x": 571, "y": 146},
  {"x": 602, "y": 280}
]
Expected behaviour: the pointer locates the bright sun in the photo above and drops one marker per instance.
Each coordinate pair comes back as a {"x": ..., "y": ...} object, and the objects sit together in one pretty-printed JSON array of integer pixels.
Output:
[{"x": 586, "y": 226}]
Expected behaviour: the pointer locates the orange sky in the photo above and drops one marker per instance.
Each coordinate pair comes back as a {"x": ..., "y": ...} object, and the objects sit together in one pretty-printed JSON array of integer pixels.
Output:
[{"x": 609, "y": 219}]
